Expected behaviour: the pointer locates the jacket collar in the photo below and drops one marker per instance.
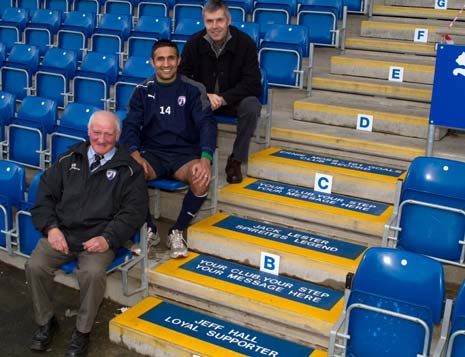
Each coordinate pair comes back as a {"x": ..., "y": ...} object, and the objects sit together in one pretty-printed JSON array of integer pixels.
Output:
[{"x": 205, "y": 46}]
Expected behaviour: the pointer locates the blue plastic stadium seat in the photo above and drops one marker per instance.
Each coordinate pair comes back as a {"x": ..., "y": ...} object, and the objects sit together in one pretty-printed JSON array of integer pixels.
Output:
[
  {"x": 290, "y": 6},
  {"x": 52, "y": 79},
  {"x": 26, "y": 235},
  {"x": 12, "y": 24},
  {"x": 31, "y": 5},
  {"x": 75, "y": 32},
  {"x": 18, "y": 70},
  {"x": 184, "y": 29},
  {"x": 42, "y": 28},
  {"x": 240, "y": 9},
  {"x": 250, "y": 28},
  {"x": 187, "y": 10},
  {"x": 5, "y": 4},
  {"x": 396, "y": 298},
  {"x": 92, "y": 83},
  {"x": 153, "y": 8},
  {"x": 321, "y": 18},
  {"x": 119, "y": 7},
  {"x": 7, "y": 111},
  {"x": 64, "y": 6},
  {"x": 90, "y": 6},
  {"x": 281, "y": 53},
  {"x": 111, "y": 34},
  {"x": 431, "y": 211},
  {"x": 27, "y": 133},
  {"x": 12, "y": 188},
  {"x": 266, "y": 18},
  {"x": 355, "y": 6},
  {"x": 71, "y": 130}
]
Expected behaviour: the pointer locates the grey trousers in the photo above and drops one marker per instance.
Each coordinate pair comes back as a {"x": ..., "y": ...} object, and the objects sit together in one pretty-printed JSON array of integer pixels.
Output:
[
  {"x": 248, "y": 112},
  {"x": 91, "y": 276}
]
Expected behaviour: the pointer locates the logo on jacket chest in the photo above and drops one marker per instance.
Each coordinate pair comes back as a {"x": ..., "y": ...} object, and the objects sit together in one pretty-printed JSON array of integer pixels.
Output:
[
  {"x": 111, "y": 174},
  {"x": 181, "y": 100}
]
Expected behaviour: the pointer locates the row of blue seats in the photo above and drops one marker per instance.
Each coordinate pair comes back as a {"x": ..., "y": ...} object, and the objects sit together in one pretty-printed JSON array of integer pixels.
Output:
[
  {"x": 131, "y": 6},
  {"x": 18, "y": 235}
]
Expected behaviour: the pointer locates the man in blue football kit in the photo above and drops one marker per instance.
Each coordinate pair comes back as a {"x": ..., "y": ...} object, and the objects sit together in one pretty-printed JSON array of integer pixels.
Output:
[{"x": 171, "y": 132}]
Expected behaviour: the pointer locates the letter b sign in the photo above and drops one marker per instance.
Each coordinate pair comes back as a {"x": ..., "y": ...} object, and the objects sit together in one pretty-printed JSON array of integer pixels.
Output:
[{"x": 269, "y": 263}]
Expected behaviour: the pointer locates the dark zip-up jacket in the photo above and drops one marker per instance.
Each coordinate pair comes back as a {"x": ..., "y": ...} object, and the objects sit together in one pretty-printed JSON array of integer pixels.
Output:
[
  {"x": 174, "y": 118},
  {"x": 111, "y": 202},
  {"x": 236, "y": 68}
]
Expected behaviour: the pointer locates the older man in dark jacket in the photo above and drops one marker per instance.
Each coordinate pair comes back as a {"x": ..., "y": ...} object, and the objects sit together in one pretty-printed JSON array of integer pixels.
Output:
[
  {"x": 225, "y": 60},
  {"x": 89, "y": 203}
]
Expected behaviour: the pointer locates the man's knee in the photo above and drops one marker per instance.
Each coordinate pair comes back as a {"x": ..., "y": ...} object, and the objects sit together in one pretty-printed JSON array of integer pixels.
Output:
[
  {"x": 249, "y": 106},
  {"x": 91, "y": 272},
  {"x": 199, "y": 189}
]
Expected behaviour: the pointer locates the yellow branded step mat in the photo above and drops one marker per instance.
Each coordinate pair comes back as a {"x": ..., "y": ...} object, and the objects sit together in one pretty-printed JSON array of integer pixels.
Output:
[
  {"x": 306, "y": 204},
  {"x": 291, "y": 297},
  {"x": 319, "y": 162},
  {"x": 161, "y": 325},
  {"x": 264, "y": 235}
]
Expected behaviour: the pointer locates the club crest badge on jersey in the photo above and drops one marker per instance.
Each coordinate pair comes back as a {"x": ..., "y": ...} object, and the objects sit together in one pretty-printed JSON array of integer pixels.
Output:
[
  {"x": 181, "y": 100},
  {"x": 111, "y": 174}
]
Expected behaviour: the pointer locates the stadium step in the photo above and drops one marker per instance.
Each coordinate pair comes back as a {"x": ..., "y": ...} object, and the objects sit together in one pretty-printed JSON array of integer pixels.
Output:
[
  {"x": 359, "y": 179},
  {"x": 399, "y": 30},
  {"x": 277, "y": 305},
  {"x": 451, "y": 4},
  {"x": 415, "y": 69},
  {"x": 158, "y": 328},
  {"x": 347, "y": 140},
  {"x": 303, "y": 255},
  {"x": 415, "y": 12},
  {"x": 305, "y": 208},
  {"x": 405, "y": 118},
  {"x": 370, "y": 86},
  {"x": 392, "y": 46}
]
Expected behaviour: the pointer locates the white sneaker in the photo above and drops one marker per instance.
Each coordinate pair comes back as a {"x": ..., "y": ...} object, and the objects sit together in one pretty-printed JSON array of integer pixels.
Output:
[
  {"x": 153, "y": 239},
  {"x": 177, "y": 244}
]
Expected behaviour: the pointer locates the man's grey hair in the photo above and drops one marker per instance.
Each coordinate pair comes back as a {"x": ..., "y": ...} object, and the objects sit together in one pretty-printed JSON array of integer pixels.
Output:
[
  {"x": 215, "y": 5},
  {"x": 107, "y": 113}
]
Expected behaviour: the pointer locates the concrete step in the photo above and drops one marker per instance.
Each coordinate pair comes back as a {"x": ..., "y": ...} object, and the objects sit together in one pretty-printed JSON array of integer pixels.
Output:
[
  {"x": 415, "y": 70},
  {"x": 370, "y": 86},
  {"x": 349, "y": 177},
  {"x": 303, "y": 255},
  {"x": 390, "y": 116},
  {"x": 415, "y": 12},
  {"x": 392, "y": 46},
  {"x": 451, "y": 4},
  {"x": 158, "y": 328},
  {"x": 313, "y": 209},
  {"x": 400, "y": 30},
  {"x": 274, "y": 304},
  {"x": 348, "y": 140}
]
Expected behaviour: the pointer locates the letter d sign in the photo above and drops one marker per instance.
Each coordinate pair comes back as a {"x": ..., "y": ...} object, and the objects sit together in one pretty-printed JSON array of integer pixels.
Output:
[
  {"x": 269, "y": 263},
  {"x": 365, "y": 122}
]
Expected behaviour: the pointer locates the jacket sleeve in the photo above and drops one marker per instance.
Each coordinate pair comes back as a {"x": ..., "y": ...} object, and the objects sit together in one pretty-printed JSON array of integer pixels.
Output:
[
  {"x": 132, "y": 211},
  {"x": 134, "y": 122},
  {"x": 249, "y": 83},
  {"x": 204, "y": 120},
  {"x": 48, "y": 195}
]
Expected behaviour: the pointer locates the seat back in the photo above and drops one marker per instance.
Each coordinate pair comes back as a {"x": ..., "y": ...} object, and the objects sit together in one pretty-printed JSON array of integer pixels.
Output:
[
  {"x": 91, "y": 6},
  {"x": 429, "y": 230},
  {"x": 24, "y": 56},
  {"x": 160, "y": 27},
  {"x": 288, "y": 36},
  {"x": 187, "y": 11},
  {"x": 12, "y": 182},
  {"x": 49, "y": 19},
  {"x": 115, "y": 24},
  {"x": 288, "y": 5},
  {"x": 403, "y": 276},
  {"x": 30, "y": 5},
  {"x": 61, "y": 61},
  {"x": 250, "y": 28},
  {"x": 5, "y": 5},
  {"x": 266, "y": 18},
  {"x": 17, "y": 17},
  {"x": 185, "y": 28},
  {"x": 7, "y": 110},
  {"x": 9, "y": 36},
  {"x": 119, "y": 7},
  {"x": 38, "y": 110},
  {"x": 61, "y": 5},
  {"x": 104, "y": 66},
  {"x": 137, "y": 69},
  {"x": 154, "y": 9},
  {"x": 388, "y": 282},
  {"x": 332, "y": 6},
  {"x": 12, "y": 188},
  {"x": 80, "y": 21}
]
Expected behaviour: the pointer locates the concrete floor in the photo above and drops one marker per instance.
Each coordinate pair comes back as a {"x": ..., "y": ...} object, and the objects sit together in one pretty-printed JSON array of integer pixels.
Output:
[{"x": 17, "y": 323}]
